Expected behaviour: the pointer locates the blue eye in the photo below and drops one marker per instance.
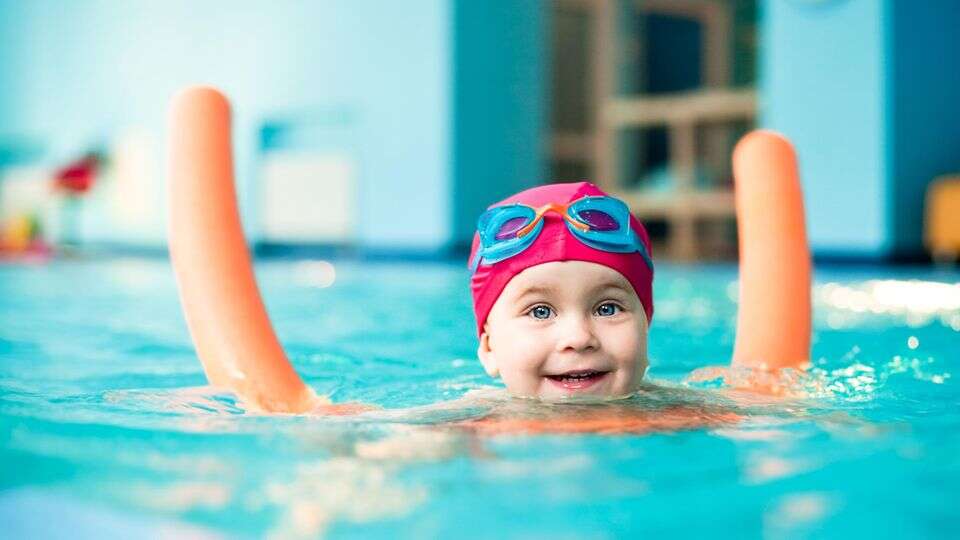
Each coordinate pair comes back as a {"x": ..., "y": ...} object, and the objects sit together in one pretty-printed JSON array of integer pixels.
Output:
[
  {"x": 608, "y": 309},
  {"x": 540, "y": 312}
]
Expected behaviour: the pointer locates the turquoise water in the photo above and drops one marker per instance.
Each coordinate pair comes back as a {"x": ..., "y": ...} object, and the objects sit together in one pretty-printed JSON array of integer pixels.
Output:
[{"x": 106, "y": 428}]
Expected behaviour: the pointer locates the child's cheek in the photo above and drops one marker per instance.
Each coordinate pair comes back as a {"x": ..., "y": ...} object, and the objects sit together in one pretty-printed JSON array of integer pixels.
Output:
[
  {"x": 642, "y": 362},
  {"x": 632, "y": 348},
  {"x": 526, "y": 352},
  {"x": 520, "y": 369}
]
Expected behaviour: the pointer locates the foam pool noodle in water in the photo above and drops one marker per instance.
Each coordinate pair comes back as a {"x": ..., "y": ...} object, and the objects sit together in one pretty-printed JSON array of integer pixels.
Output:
[
  {"x": 773, "y": 320},
  {"x": 221, "y": 302}
]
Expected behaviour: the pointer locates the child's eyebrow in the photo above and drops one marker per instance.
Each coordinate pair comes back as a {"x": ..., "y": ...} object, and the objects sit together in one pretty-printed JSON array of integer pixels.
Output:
[
  {"x": 536, "y": 290},
  {"x": 611, "y": 285}
]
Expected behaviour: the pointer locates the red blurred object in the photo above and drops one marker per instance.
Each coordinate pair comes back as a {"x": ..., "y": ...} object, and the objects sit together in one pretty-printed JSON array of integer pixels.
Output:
[{"x": 78, "y": 177}]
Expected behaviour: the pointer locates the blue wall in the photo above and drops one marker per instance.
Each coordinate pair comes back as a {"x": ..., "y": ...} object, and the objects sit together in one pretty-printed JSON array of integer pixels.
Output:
[
  {"x": 867, "y": 90},
  {"x": 12, "y": 83},
  {"x": 76, "y": 73},
  {"x": 925, "y": 99},
  {"x": 822, "y": 85},
  {"x": 501, "y": 76}
]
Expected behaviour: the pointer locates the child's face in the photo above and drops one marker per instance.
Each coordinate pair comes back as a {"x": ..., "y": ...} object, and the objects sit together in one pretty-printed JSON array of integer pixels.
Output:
[{"x": 568, "y": 328}]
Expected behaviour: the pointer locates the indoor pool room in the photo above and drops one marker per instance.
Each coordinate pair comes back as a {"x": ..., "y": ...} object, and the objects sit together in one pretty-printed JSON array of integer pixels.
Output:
[{"x": 586, "y": 269}]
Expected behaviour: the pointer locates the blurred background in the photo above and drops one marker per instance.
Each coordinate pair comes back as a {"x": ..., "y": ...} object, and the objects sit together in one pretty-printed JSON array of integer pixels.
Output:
[{"x": 384, "y": 128}]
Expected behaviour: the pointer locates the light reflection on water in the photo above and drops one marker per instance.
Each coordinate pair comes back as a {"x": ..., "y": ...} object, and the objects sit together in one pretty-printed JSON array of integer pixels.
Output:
[{"x": 103, "y": 413}]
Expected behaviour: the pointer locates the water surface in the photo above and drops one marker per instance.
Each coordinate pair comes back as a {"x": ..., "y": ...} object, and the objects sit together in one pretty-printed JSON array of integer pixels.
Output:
[{"x": 105, "y": 423}]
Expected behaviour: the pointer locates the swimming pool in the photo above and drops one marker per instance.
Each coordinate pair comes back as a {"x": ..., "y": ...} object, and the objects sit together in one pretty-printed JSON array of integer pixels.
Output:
[{"x": 104, "y": 431}]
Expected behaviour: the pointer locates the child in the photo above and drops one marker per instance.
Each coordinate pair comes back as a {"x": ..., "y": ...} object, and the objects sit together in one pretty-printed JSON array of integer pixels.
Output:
[
  {"x": 561, "y": 277},
  {"x": 561, "y": 283}
]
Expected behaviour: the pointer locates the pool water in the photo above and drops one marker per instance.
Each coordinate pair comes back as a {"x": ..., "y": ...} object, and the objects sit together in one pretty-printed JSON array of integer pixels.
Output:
[{"x": 107, "y": 430}]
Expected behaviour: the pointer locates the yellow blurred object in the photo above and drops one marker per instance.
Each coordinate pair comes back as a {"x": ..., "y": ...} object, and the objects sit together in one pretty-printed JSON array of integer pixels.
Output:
[
  {"x": 942, "y": 219},
  {"x": 16, "y": 234}
]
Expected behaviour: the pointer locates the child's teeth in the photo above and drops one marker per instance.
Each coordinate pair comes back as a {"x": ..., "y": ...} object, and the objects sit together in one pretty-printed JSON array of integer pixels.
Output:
[
  {"x": 576, "y": 377},
  {"x": 579, "y": 376}
]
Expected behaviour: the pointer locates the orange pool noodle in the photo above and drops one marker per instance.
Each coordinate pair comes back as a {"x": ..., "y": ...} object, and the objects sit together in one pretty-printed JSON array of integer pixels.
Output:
[
  {"x": 222, "y": 305},
  {"x": 773, "y": 325}
]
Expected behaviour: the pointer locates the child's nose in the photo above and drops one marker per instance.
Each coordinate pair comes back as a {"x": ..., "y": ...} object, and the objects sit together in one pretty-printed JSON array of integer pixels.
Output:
[{"x": 576, "y": 334}]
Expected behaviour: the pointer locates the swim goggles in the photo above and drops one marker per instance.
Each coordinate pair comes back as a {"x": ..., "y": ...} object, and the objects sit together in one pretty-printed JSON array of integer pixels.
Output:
[{"x": 599, "y": 222}]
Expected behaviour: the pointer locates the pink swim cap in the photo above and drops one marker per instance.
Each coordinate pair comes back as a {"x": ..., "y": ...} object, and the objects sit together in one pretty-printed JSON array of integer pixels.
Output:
[{"x": 556, "y": 243}]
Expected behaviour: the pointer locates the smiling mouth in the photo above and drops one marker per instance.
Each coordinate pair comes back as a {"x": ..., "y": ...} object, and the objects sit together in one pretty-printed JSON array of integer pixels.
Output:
[{"x": 578, "y": 380}]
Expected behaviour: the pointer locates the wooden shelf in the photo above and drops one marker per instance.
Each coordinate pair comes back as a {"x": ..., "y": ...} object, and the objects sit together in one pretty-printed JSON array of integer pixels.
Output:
[
  {"x": 698, "y": 123},
  {"x": 648, "y": 204},
  {"x": 698, "y": 107},
  {"x": 572, "y": 146}
]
